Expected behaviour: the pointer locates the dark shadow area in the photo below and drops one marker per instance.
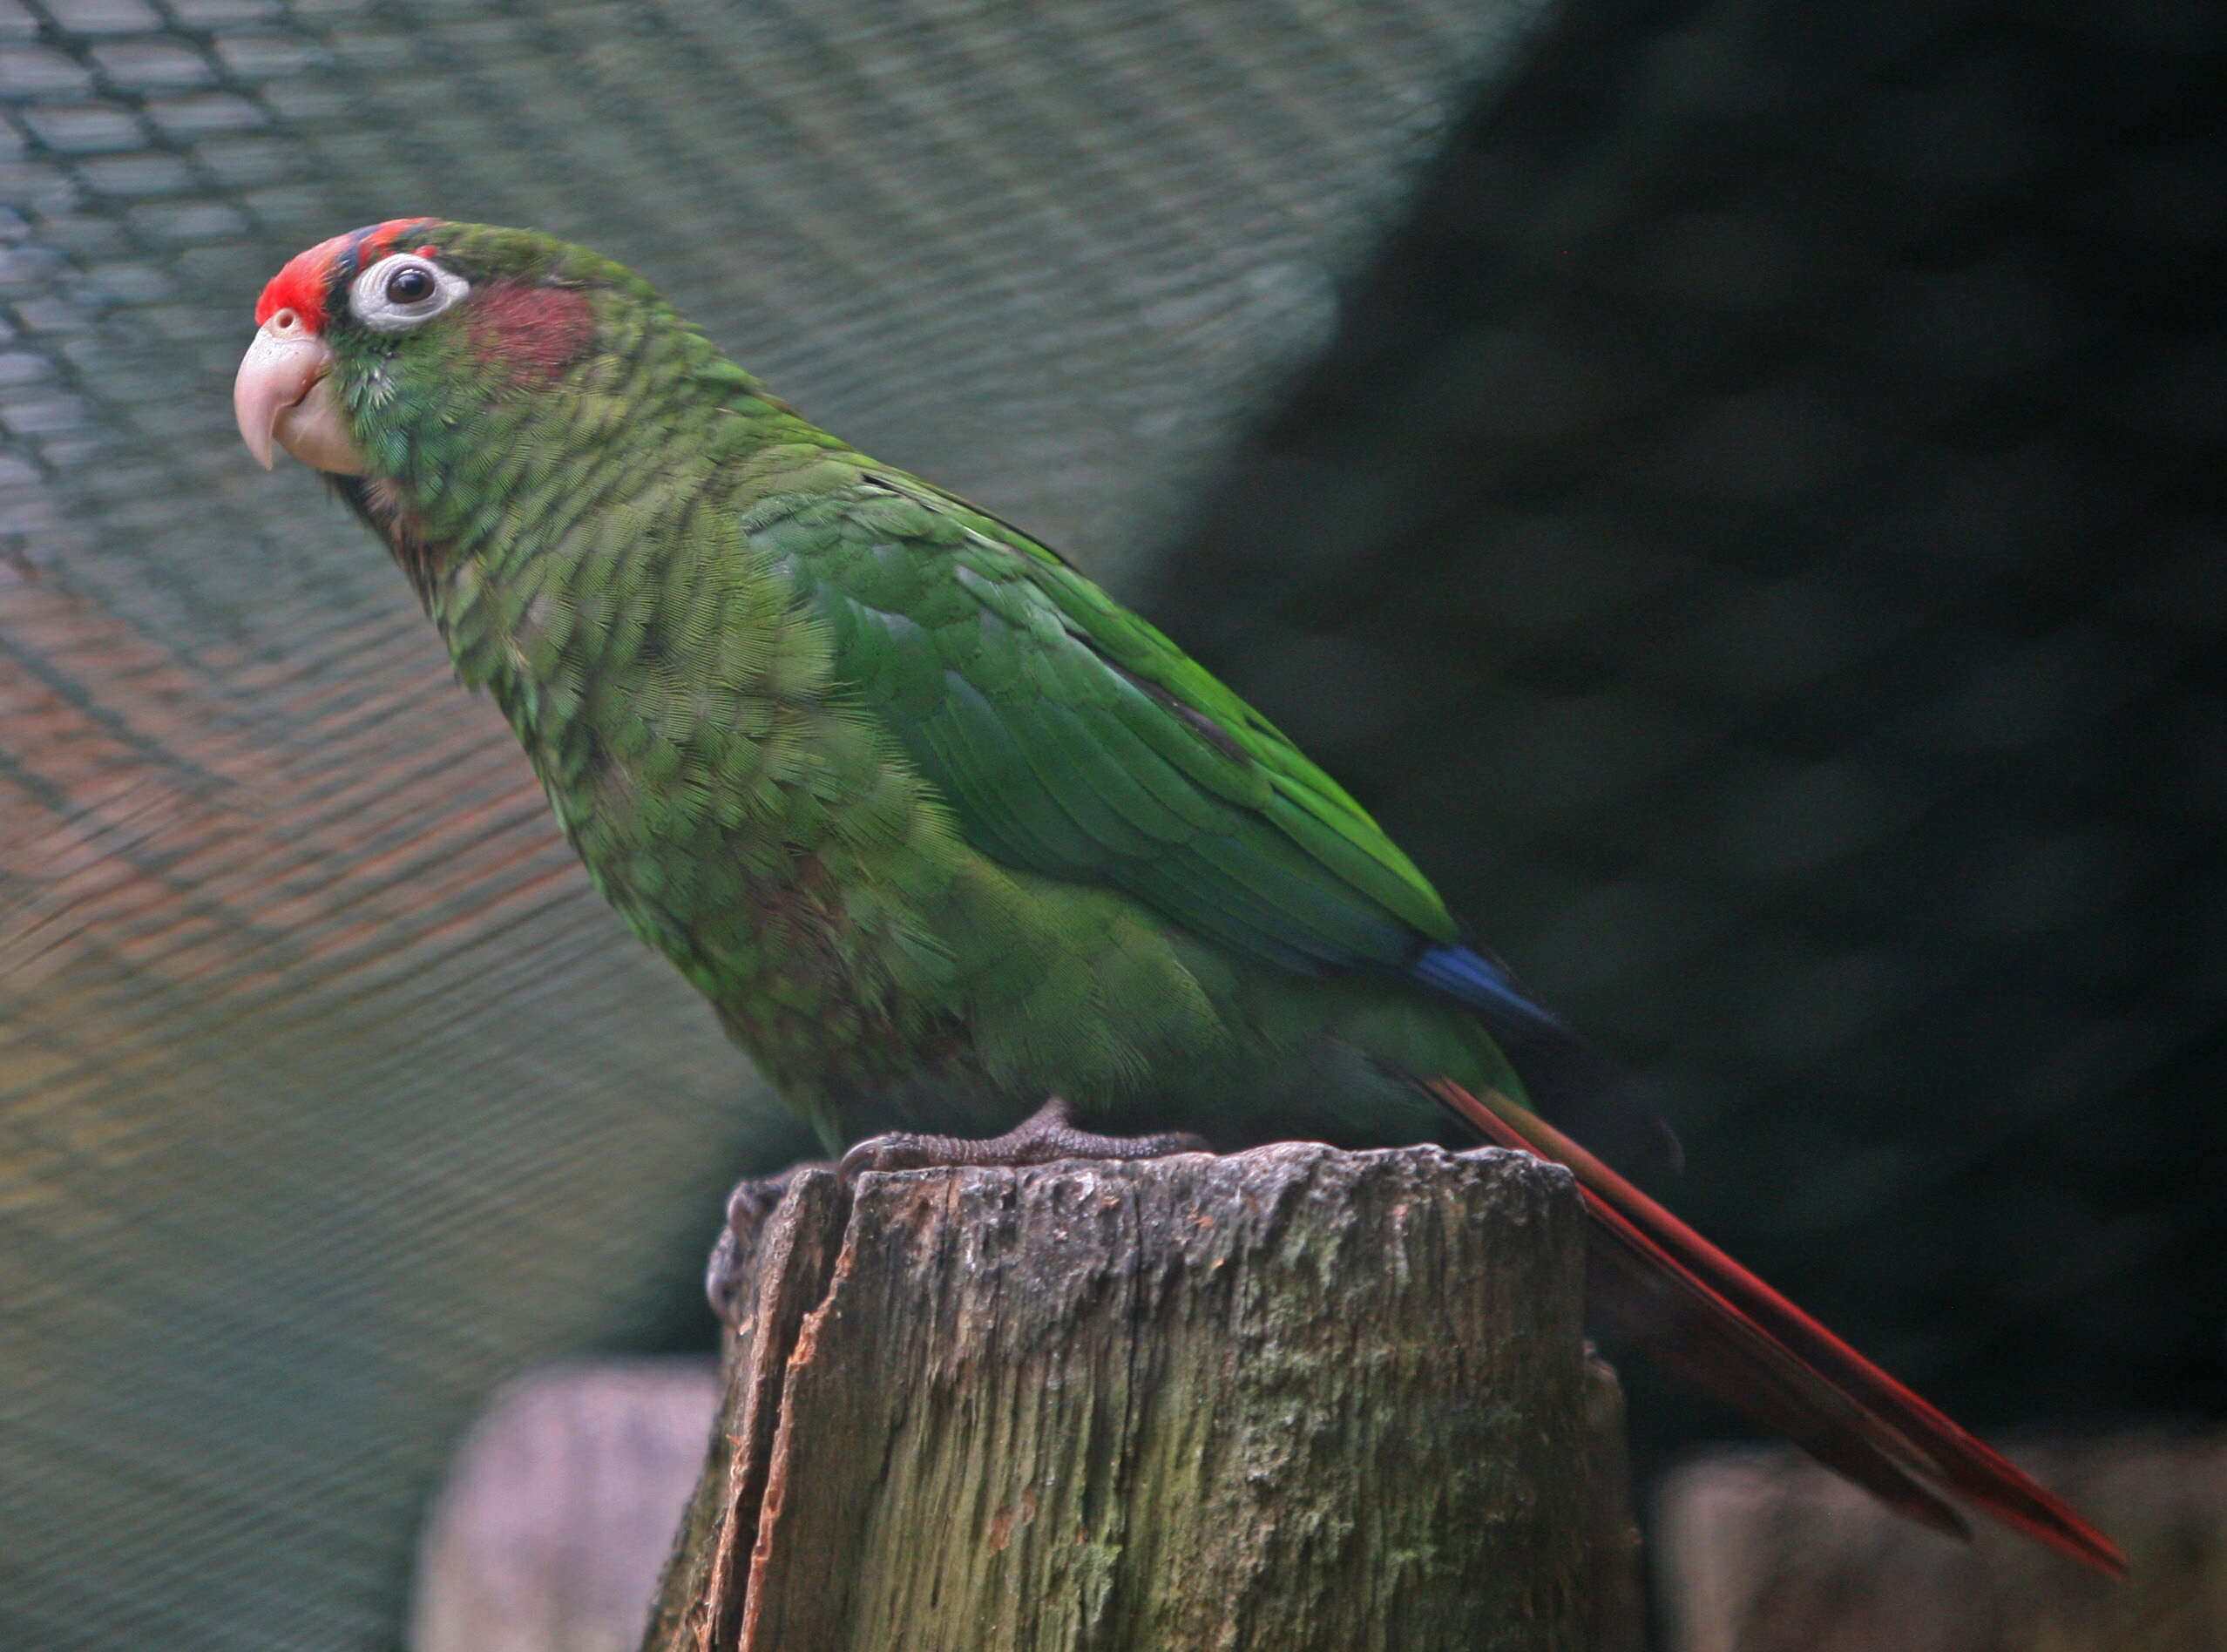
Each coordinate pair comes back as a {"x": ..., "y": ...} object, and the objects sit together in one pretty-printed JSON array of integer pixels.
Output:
[{"x": 1755, "y": 540}]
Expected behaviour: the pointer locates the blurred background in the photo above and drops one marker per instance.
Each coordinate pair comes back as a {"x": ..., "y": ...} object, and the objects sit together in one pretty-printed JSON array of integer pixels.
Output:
[{"x": 1736, "y": 487}]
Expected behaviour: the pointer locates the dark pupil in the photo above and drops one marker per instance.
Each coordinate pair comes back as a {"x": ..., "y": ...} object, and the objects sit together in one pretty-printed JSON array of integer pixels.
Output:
[{"x": 409, "y": 285}]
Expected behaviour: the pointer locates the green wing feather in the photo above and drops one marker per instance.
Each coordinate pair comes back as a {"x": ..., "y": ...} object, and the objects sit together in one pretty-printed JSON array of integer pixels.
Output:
[{"x": 1073, "y": 739}]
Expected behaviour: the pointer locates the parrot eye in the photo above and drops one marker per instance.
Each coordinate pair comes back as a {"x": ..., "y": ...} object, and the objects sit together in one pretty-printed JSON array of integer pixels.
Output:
[{"x": 401, "y": 292}]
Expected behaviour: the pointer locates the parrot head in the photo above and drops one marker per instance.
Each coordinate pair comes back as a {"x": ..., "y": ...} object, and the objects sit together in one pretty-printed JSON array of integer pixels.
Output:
[{"x": 371, "y": 343}]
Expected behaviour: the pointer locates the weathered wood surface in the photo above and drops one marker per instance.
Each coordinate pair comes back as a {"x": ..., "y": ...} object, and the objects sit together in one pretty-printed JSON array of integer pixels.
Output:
[
  {"x": 1289, "y": 1399},
  {"x": 1762, "y": 1551}
]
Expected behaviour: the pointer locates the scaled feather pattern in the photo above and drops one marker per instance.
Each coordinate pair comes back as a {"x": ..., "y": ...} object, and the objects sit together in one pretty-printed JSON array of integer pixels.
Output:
[{"x": 939, "y": 829}]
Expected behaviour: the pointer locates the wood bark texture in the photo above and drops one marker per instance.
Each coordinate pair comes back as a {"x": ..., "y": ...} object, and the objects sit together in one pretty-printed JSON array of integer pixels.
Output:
[{"x": 1293, "y": 1399}]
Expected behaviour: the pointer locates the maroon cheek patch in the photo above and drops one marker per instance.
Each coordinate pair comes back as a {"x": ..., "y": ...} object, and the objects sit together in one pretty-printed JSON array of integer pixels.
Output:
[{"x": 529, "y": 334}]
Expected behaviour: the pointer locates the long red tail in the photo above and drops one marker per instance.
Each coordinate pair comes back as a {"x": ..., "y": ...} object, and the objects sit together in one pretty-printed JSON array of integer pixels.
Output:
[{"x": 1693, "y": 1308}]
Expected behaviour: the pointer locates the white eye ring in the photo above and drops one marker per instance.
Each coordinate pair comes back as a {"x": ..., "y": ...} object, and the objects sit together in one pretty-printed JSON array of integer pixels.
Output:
[{"x": 371, "y": 303}]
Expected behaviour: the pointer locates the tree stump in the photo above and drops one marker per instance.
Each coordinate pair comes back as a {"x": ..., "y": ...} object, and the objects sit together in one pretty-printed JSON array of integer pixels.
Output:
[{"x": 1293, "y": 1398}]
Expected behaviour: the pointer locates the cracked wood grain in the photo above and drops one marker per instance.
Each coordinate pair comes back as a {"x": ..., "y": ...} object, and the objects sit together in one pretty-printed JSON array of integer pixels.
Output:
[{"x": 1293, "y": 1398}]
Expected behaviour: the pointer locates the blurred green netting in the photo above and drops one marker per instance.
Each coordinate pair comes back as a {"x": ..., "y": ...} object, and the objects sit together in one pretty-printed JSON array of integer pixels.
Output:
[
  {"x": 328, "y": 1092},
  {"x": 1753, "y": 530}
]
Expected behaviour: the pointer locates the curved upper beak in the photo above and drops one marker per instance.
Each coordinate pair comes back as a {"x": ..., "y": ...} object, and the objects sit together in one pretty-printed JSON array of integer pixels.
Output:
[{"x": 281, "y": 396}]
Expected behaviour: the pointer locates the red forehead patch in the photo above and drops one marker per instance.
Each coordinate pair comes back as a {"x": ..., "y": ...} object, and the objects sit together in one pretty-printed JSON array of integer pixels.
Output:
[{"x": 301, "y": 285}]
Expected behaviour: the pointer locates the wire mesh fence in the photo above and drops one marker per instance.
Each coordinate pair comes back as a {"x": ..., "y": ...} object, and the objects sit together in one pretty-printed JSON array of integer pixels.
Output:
[
  {"x": 1753, "y": 533},
  {"x": 329, "y": 1091}
]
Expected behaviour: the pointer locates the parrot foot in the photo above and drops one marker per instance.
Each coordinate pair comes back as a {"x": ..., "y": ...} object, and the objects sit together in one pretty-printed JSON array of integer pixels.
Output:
[
  {"x": 1046, "y": 1135},
  {"x": 748, "y": 1207}
]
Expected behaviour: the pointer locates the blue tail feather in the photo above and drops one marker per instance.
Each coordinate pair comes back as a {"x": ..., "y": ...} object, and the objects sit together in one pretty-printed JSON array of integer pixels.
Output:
[
  {"x": 1565, "y": 1077},
  {"x": 1486, "y": 986}
]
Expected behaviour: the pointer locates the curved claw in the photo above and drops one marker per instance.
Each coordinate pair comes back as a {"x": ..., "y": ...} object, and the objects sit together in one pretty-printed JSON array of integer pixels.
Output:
[
  {"x": 897, "y": 1150},
  {"x": 1044, "y": 1136},
  {"x": 748, "y": 1207}
]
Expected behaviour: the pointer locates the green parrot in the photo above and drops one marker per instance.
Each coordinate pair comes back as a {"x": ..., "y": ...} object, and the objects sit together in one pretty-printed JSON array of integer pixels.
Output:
[{"x": 970, "y": 860}]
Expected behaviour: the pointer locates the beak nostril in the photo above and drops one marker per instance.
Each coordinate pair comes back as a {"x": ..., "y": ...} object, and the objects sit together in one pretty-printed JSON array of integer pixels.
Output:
[{"x": 280, "y": 399}]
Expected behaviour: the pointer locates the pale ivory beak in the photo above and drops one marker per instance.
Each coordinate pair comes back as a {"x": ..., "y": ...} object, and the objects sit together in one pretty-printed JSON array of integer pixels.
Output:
[{"x": 281, "y": 396}]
